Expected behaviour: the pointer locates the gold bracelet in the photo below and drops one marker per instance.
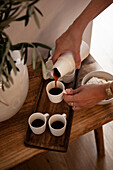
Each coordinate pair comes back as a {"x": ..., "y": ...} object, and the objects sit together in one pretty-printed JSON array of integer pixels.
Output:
[{"x": 108, "y": 90}]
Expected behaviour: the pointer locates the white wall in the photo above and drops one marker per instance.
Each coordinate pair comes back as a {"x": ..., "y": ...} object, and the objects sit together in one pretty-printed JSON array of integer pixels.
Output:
[
  {"x": 58, "y": 15},
  {"x": 102, "y": 39}
]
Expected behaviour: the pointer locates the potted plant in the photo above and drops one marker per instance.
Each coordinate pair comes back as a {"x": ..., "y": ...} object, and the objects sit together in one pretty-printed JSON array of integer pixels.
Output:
[{"x": 13, "y": 70}]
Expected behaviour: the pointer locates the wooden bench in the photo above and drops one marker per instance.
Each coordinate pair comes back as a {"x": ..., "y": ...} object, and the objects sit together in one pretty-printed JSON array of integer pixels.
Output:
[{"x": 13, "y": 131}]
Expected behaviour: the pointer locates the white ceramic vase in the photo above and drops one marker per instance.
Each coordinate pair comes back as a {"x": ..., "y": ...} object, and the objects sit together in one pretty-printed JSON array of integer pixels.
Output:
[{"x": 14, "y": 96}]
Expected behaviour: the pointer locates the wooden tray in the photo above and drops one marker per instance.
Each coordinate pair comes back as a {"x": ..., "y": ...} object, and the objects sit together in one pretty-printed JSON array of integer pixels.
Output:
[{"x": 47, "y": 140}]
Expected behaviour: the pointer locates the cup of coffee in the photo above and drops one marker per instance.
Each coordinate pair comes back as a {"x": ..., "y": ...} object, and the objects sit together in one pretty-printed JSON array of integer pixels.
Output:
[
  {"x": 57, "y": 124},
  {"x": 37, "y": 122},
  {"x": 55, "y": 94}
]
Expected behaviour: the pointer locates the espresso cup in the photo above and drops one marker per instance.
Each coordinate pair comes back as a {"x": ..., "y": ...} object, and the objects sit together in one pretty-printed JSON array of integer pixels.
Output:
[
  {"x": 37, "y": 122},
  {"x": 55, "y": 95},
  {"x": 57, "y": 124}
]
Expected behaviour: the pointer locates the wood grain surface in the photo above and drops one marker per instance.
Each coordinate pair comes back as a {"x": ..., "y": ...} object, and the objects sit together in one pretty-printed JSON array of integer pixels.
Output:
[
  {"x": 13, "y": 131},
  {"x": 47, "y": 140}
]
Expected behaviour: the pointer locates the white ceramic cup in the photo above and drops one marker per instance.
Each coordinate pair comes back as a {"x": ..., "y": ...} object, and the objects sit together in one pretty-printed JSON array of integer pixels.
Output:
[
  {"x": 34, "y": 116},
  {"x": 55, "y": 98},
  {"x": 54, "y": 118}
]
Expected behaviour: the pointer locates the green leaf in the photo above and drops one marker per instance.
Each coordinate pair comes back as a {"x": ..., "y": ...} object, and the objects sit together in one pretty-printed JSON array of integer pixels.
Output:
[
  {"x": 22, "y": 51},
  {"x": 7, "y": 12},
  {"x": 36, "y": 19},
  {"x": 6, "y": 84},
  {"x": 7, "y": 47},
  {"x": 33, "y": 2},
  {"x": 1, "y": 16},
  {"x": 38, "y": 11},
  {"x": 4, "y": 51},
  {"x": 34, "y": 58},
  {"x": 17, "y": 3},
  {"x": 21, "y": 18},
  {"x": 27, "y": 17},
  {"x": 30, "y": 11},
  {"x": 15, "y": 10},
  {"x": 44, "y": 69},
  {"x": 3, "y": 86},
  {"x": 17, "y": 69},
  {"x": 9, "y": 67},
  {"x": 19, "y": 46},
  {"x": 37, "y": 69},
  {"x": 25, "y": 59},
  {"x": 26, "y": 20},
  {"x": 12, "y": 63},
  {"x": 8, "y": 76}
]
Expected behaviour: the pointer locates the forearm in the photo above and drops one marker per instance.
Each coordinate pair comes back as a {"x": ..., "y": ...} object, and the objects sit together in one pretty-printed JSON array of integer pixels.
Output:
[{"x": 94, "y": 8}]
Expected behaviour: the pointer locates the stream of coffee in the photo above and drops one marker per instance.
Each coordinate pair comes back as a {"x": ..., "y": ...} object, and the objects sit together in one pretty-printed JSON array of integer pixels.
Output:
[
  {"x": 56, "y": 90},
  {"x": 56, "y": 75}
]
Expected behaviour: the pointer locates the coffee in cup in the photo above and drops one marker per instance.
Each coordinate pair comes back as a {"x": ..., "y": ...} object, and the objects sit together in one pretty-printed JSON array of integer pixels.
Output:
[
  {"x": 55, "y": 91},
  {"x": 55, "y": 94},
  {"x": 57, "y": 124},
  {"x": 37, "y": 122}
]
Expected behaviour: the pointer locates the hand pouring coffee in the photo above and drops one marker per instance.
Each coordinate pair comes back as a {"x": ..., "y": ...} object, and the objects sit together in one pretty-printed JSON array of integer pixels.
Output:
[{"x": 64, "y": 66}]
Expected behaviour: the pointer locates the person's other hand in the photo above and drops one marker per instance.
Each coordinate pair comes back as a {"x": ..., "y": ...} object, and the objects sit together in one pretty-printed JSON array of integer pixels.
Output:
[{"x": 85, "y": 96}]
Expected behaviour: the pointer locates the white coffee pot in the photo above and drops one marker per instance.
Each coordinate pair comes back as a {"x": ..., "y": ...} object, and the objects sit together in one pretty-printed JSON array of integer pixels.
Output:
[{"x": 65, "y": 64}]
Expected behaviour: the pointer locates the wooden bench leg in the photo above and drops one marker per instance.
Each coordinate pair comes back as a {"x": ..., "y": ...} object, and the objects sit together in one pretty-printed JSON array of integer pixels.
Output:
[{"x": 99, "y": 141}]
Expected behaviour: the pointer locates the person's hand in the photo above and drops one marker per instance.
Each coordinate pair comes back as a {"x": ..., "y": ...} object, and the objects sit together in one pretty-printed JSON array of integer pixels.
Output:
[
  {"x": 69, "y": 41},
  {"x": 85, "y": 96}
]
